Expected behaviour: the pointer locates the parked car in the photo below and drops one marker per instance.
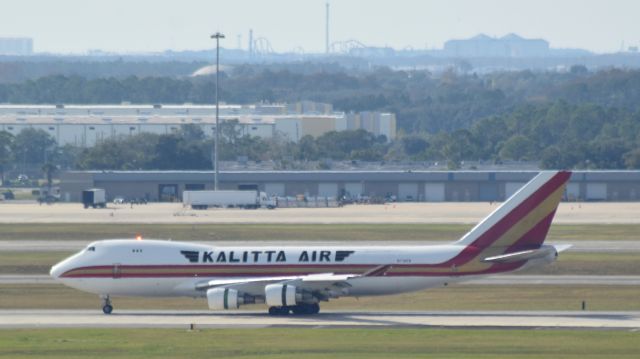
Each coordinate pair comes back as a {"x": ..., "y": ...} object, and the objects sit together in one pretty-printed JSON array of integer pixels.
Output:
[
  {"x": 8, "y": 195},
  {"x": 48, "y": 199},
  {"x": 138, "y": 201}
]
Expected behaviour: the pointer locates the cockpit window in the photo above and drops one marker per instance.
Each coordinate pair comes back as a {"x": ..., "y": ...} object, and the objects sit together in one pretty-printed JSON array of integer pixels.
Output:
[{"x": 91, "y": 249}]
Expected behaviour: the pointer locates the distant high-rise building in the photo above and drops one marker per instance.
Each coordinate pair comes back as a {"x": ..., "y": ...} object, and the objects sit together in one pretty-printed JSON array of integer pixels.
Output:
[
  {"x": 16, "y": 46},
  {"x": 326, "y": 35},
  {"x": 510, "y": 45}
]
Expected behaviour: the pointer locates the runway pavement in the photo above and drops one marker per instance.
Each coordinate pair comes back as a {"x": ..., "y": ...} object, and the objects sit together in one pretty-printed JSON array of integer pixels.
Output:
[
  {"x": 494, "y": 280},
  {"x": 184, "y": 319},
  {"x": 75, "y": 245}
]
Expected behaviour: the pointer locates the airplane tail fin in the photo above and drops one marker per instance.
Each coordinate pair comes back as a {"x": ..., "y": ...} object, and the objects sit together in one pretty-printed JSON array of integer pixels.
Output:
[{"x": 522, "y": 222}]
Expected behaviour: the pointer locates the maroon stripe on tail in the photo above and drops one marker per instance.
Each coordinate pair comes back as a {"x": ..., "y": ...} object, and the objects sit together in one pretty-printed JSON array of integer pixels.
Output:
[{"x": 535, "y": 237}]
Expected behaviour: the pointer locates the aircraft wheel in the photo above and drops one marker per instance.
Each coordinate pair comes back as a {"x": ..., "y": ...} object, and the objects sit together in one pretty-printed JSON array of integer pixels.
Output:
[
  {"x": 284, "y": 310},
  {"x": 299, "y": 309},
  {"x": 107, "y": 308},
  {"x": 306, "y": 309},
  {"x": 279, "y": 310},
  {"x": 314, "y": 308}
]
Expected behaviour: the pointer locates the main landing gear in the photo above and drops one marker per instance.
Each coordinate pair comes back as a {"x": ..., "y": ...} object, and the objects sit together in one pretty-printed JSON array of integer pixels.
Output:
[
  {"x": 107, "y": 308},
  {"x": 300, "y": 309}
]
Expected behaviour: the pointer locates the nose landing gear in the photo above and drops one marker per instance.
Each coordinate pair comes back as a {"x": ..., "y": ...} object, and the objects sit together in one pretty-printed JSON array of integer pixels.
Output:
[{"x": 107, "y": 308}]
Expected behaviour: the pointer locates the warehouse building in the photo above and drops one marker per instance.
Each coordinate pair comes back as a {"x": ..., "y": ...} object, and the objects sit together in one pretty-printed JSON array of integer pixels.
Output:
[
  {"x": 86, "y": 125},
  {"x": 427, "y": 186}
]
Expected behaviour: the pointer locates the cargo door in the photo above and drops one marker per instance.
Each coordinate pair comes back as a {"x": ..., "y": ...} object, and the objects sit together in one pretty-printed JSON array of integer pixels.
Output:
[
  {"x": 573, "y": 191},
  {"x": 408, "y": 192},
  {"x": 274, "y": 189},
  {"x": 354, "y": 189},
  {"x": 328, "y": 190},
  {"x": 596, "y": 191},
  {"x": 117, "y": 271},
  {"x": 434, "y": 192},
  {"x": 512, "y": 187}
]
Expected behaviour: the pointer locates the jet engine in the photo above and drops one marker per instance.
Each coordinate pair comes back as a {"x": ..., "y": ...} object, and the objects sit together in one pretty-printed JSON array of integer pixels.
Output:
[
  {"x": 285, "y": 295},
  {"x": 222, "y": 298},
  {"x": 226, "y": 298},
  {"x": 280, "y": 295}
]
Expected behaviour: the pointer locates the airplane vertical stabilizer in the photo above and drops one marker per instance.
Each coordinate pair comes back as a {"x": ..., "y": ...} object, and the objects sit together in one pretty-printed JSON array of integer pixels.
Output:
[{"x": 522, "y": 221}]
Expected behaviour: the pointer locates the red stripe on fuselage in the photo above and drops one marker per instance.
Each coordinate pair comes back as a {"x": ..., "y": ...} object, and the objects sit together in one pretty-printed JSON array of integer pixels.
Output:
[{"x": 343, "y": 269}]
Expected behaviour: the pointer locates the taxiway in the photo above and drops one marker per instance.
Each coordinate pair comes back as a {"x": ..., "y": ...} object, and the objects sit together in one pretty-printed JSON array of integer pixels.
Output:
[{"x": 199, "y": 319}]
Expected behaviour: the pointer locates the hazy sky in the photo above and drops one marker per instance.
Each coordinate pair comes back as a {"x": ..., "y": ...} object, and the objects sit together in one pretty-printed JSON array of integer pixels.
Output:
[{"x": 76, "y": 26}]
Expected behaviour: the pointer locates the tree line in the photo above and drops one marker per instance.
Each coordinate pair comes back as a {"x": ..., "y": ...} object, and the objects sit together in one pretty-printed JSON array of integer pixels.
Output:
[
  {"x": 574, "y": 119},
  {"x": 186, "y": 149},
  {"x": 558, "y": 135}
]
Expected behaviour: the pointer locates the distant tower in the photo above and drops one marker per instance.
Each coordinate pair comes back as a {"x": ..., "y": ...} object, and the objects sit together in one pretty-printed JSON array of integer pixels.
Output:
[
  {"x": 327, "y": 31},
  {"x": 250, "y": 42},
  {"x": 239, "y": 41}
]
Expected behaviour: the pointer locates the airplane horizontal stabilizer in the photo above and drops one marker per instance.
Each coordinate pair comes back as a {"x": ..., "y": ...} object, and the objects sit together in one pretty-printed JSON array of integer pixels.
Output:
[
  {"x": 522, "y": 255},
  {"x": 562, "y": 247}
]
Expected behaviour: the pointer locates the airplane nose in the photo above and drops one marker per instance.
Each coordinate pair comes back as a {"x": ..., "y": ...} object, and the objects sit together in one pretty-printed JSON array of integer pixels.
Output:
[{"x": 56, "y": 271}]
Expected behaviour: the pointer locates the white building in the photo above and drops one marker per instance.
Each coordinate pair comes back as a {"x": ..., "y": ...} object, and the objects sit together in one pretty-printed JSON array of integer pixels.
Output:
[
  {"x": 16, "y": 46},
  {"x": 86, "y": 125}
]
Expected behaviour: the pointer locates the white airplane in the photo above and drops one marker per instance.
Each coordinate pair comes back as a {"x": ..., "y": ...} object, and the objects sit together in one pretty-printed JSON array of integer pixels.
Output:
[{"x": 297, "y": 279}]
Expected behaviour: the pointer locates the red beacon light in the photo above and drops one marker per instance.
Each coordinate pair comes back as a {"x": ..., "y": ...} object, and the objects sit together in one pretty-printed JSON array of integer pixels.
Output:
[{"x": 138, "y": 237}]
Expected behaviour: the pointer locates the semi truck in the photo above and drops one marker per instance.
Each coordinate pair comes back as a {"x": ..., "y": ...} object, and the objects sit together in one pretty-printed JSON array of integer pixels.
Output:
[
  {"x": 227, "y": 199},
  {"x": 94, "y": 197}
]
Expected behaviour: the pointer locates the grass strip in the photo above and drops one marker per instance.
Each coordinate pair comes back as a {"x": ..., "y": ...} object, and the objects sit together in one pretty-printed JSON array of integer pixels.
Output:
[
  {"x": 284, "y": 232},
  {"x": 316, "y": 343}
]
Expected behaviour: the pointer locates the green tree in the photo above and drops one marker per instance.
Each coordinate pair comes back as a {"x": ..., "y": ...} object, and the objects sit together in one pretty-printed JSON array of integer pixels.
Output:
[
  {"x": 518, "y": 148},
  {"x": 30, "y": 145},
  {"x": 122, "y": 153},
  {"x": 307, "y": 149},
  {"x": 551, "y": 158},
  {"x": 6, "y": 154},
  {"x": 460, "y": 146},
  {"x": 632, "y": 159},
  {"x": 414, "y": 145}
]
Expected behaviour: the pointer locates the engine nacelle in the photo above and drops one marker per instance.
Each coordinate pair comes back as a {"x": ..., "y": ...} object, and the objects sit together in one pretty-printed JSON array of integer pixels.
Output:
[
  {"x": 280, "y": 295},
  {"x": 222, "y": 298}
]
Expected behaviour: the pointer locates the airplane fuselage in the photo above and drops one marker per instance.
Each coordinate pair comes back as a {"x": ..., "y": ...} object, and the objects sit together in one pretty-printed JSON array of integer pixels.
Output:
[{"x": 165, "y": 268}]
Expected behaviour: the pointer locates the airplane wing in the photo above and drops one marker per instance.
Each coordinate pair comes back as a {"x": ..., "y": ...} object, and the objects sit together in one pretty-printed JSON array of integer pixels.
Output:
[
  {"x": 313, "y": 282},
  {"x": 255, "y": 286}
]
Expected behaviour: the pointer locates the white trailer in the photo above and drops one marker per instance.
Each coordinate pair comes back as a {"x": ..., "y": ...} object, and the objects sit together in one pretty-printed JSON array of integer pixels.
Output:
[
  {"x": 227, "y": 199},
  {"x": 94, "y": 197}
]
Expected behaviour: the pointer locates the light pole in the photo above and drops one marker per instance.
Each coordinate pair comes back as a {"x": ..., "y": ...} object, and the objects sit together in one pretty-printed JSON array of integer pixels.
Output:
[{"x": 217, "y": 36}]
